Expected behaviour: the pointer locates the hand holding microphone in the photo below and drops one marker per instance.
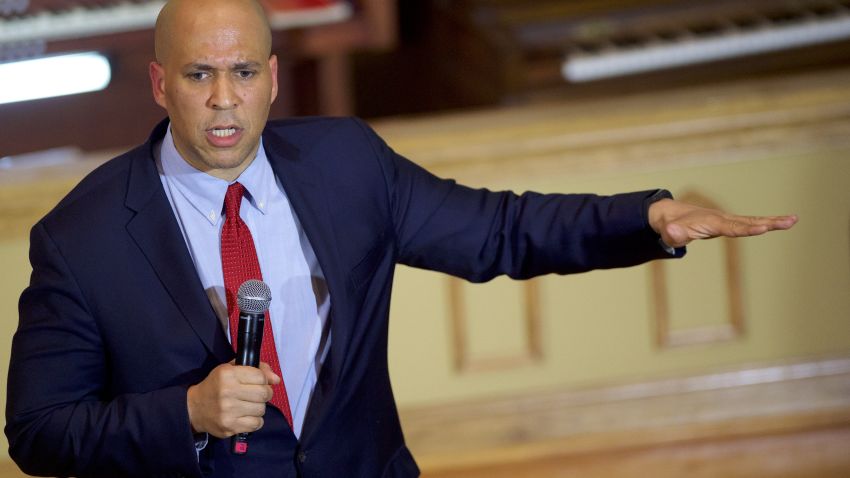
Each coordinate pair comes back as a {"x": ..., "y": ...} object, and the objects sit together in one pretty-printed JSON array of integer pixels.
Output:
[
  {"x": 232, "y": 399},
  {"x": 253, "y": 299}
]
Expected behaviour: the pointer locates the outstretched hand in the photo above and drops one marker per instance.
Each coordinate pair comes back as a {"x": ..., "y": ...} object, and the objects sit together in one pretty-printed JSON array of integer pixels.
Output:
[{"x": 679, "y": 223}]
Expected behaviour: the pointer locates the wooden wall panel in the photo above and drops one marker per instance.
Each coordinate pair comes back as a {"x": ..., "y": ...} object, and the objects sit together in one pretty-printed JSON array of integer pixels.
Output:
[
  {"x": 706, "y": 288},
  {"x": 508, "y": 306}
]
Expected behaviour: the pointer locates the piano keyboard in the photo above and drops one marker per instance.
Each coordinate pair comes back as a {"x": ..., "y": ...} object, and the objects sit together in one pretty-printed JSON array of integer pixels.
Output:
[
  {"x": 285, "y": 14},
  {"x": 793, "y": 26},
  {"x": 23, "y": 21},
  {"x": 79, "y": 21}
]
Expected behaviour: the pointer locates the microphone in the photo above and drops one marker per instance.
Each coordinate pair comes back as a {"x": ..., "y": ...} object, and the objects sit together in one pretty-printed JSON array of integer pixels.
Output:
[{"x": 253, "y": 299}]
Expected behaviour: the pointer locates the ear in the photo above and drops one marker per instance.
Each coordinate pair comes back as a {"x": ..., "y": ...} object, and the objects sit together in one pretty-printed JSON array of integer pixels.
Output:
[
  {"x": 273, "y": 70},
  {"x": 157, "y": 74}
]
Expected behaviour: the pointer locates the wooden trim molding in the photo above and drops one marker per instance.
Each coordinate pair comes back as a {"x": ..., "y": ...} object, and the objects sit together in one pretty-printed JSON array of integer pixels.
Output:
[
  {"x": 819, "y": 452},
  {"x": 758, "y": 400},
  {"x": 732, "y": 329},
  {"x": 712, "y": 124},
  {"x": 464, "y": 361}
]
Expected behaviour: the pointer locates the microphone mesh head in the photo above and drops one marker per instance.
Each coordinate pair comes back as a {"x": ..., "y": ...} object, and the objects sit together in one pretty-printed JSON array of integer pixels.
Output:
[{"x": 254, "y": 296}]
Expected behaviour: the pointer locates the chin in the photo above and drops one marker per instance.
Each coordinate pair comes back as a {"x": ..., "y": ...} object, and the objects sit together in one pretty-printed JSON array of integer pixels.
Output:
[{"x": 227, "y": 163}]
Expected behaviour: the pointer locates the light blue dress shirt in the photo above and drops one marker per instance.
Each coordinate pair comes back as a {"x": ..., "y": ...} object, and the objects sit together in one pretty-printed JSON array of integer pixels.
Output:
[{"x": 300, "y": 300}]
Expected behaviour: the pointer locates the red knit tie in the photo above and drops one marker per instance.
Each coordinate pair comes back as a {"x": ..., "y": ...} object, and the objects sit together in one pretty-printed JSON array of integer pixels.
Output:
[{"x": 239, "y": 263}]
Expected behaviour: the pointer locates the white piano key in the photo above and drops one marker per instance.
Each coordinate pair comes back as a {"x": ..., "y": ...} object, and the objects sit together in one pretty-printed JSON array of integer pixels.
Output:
[
  {"x": 80, "y": 22},
  {"x": 337, "y": 12}
]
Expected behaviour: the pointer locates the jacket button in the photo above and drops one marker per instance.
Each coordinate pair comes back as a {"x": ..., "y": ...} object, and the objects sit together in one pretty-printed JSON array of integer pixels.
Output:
[{"x": 302, "y": 457}]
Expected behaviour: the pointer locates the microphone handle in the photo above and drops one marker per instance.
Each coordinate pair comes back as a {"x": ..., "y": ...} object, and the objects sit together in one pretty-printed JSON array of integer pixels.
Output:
[{"x": 249, "y": 339}]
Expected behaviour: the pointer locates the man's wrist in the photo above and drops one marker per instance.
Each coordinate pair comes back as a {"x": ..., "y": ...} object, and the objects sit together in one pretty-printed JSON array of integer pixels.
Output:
[
  {"x": 653, "y": 213},
  {"x": 189, "y": 396},
  {"x": 654, "y": 219}
]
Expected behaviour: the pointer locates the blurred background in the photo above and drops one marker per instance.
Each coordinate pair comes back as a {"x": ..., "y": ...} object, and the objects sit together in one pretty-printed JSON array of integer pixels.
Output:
[{"x": 734, "y": 362}]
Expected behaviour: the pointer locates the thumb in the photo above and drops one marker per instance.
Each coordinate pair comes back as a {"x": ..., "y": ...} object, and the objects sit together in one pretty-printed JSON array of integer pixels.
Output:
[
  {"x": 271, "y": 377},
  {"x": 677, "y": 236}
]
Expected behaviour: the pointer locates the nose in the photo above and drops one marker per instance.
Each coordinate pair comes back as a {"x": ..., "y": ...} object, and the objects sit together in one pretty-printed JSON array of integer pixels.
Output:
[{"x": 223, "y": 95}]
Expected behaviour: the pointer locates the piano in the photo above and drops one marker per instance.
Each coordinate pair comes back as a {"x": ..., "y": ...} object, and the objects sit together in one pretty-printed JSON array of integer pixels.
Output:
[
  {"x": 508, "y": 51},
  {"x": 24, "y": 21}
]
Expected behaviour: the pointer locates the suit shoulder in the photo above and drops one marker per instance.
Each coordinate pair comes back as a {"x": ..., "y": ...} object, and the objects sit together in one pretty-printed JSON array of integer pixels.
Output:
[
  {"x": 305, "y": 132},
  {"x": 106, "y": 184}
]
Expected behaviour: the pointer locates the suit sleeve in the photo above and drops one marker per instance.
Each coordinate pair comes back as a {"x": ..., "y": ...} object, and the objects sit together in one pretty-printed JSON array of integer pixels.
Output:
[
  {"x": 59, "y": 419},
  {"x": 479, "y": 234}
]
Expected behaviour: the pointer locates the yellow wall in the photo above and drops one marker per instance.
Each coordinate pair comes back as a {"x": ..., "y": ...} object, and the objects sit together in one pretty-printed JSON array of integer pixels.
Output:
[{"x": 13, "y": 279}]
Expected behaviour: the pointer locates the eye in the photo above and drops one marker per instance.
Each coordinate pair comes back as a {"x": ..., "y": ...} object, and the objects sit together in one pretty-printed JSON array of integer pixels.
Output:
[
  {"x": 198, "y": 75},
  {"x": 246, "y": 74}
]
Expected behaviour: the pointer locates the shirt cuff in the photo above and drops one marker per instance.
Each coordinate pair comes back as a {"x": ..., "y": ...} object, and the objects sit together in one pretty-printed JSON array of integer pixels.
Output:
[
  {"x": 658, "y": 195},
  {"x": 201, "y": 440}
]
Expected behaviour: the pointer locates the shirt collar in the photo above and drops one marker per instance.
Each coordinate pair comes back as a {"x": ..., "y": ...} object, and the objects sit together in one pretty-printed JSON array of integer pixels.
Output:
[{"x": 205, "y": 192}]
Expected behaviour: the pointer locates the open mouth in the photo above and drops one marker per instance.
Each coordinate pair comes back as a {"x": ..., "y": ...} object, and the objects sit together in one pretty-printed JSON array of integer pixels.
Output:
[
  {"x": 224, "y": 136},
  {"x": 223, "y": 132}
]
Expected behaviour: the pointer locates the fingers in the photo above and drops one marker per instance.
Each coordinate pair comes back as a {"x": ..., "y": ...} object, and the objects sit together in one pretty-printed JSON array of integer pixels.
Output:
[
  {"x": 679, "y": 223},
  {"x": 700, "y": 223},
  {"x": 252, "y": 377},
  {"x": 248, "y": 424},
  {"x": 249, "y": 375},
  {"x": 249, "y": 384},
  {"x": 230, "y": 400},
  {"x": 769, "y": 221},
  {"x": 248, "y": 409},
  {"x": 243, "y": 424},
  {"x": 259, "y": 394},
  {"x": 742, "y": 226},
  {"x": 778, "y": 222}
]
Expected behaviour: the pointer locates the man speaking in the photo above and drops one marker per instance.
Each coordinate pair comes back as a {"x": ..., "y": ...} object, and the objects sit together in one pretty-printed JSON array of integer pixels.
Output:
[{"x": 122, "y": 361}]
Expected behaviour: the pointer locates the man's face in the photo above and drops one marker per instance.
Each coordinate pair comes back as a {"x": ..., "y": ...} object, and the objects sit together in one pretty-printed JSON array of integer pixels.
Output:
[{"x": 217, "y": 82}]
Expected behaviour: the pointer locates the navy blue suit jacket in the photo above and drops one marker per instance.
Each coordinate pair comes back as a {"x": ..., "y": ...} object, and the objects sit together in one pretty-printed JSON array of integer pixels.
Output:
[{"x": 115, "y": 325}]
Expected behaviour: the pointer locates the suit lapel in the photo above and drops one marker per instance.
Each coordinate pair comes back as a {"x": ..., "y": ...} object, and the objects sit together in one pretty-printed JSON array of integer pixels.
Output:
[
  {"x": 156, "y": 232},
  {"x": 310, "y": 202}
]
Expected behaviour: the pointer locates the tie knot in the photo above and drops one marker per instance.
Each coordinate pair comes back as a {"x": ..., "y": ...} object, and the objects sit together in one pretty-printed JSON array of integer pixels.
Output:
[{"x": 233, "y": 199}]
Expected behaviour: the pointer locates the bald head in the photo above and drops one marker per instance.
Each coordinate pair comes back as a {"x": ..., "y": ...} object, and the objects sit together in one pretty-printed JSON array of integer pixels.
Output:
[
  {"x": 217, "y": 78},
  {"x": 181, "y": 18}
]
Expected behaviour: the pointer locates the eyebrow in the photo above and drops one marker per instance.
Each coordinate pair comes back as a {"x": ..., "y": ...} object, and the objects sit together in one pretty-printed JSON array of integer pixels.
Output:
[
  {"x": 245, "y": 65},
  {"x": 236, "y": 66}
]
